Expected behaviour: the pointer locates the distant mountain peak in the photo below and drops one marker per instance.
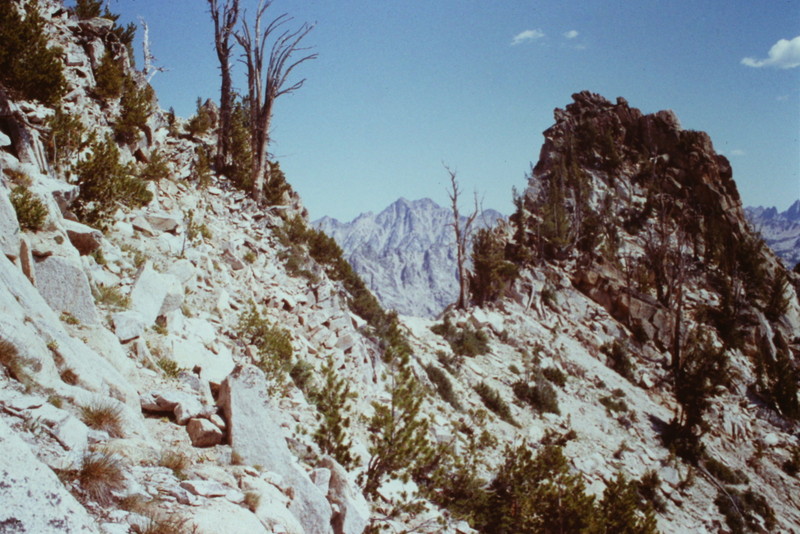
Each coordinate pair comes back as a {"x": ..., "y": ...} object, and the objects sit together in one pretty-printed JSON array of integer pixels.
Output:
[{"x": 405, "y": 253}]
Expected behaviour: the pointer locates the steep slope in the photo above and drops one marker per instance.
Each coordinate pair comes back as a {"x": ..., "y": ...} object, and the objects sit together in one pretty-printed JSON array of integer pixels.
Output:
[
  {"x": 406, "y": 253},
  {"x": 781, "y": 230},
  {"x": 206, "y": 361}
]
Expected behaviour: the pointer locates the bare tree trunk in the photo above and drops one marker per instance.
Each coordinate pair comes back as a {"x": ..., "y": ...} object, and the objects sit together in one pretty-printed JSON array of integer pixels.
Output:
[
  {"x": 266, "y": 85},
  {"x": 462, "y": 239},
  {"x": 224, "y": 22}
]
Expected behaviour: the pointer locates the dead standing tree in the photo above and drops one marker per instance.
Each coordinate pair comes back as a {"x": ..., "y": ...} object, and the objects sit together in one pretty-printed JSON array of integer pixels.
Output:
[
  {"x": 225, "y": 17},
  {"x": 267, "y": 82},
  {"x": 462, "y": 232}
]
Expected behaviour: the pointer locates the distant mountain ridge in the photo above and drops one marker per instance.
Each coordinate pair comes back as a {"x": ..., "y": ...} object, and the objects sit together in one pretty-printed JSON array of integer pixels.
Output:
[
  {"x": 405, "y": 254},
  {"x": 780, "y": 230}
]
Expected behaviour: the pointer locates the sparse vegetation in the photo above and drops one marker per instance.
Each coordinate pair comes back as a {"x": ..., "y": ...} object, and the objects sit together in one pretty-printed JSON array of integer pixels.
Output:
[
  {"x": 443, "y": 385},
  {"x": 744, "y": 511},
  {"x": 494, "y": 402},
  {"x": 538, "y": 393},
  {"x": 615, "y": 403},
  {"x": 169, "y": 366},
  {"x": 112, "y": 297},
  {"x": 31, "y": 211},
  {"x": 465, "y": 341}
]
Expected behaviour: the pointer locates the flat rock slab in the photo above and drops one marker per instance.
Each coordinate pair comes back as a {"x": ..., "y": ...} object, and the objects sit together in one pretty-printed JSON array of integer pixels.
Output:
[
  {"x": 64, "y": 286},
  {"x": 256, "y": 436}
]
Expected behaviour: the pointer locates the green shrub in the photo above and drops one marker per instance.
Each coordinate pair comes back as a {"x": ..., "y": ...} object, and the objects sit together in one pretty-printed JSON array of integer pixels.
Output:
[
  {"x": 619, "y": 359},
  {"x": 109, "y": 77},
  {"x": 156, "y": 169},
  {"x": 622, "y": 510},
  {"x": 742, "y": 510},
  {"x": 201, "y": 167},
  {"x": 169, "y": 366},
  {"x": 539, "y": 394},
  {"x": 555, "y": 375},
  {"x": 532, "y": 494},
  {"x": 399, "y": 433},
  {"x": 202, "y": 122},
  {"x": 465, "y": 341},
  {"x": 104, "y": 182},
  {"x": 792, "y": 466},
  {"x": 332, "y": 402},
  {"x": 276, "y": 186},
  {"x": 615, "y": 403},
  {"x": 273, "y": 343},
  {"x": 723, "y": 473},
  {"x": 494, "y": 402},
  {"x": 112, "y": 297},
  {"x": 65, "y": 137},
  {"x": 87, "y": 9},
  {"x": 28, "y": 67},
  {"x": 31, "y": 211},
  {"x": 491, "y": 271},
  {"x": 443, "y": 385},
  {"x": 136, "y": 104}
]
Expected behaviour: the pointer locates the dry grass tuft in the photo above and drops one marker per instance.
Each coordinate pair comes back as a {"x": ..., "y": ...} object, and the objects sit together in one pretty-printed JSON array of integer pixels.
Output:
[
  {"x": 102, "y": 416},
  {"x": 174, "y": 460},
  {"x": 100, "y": 475},
  {"x": 16, "y": 365}
]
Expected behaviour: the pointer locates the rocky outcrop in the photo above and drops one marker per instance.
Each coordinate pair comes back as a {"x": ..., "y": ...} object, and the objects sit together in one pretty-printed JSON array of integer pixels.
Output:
[
  {"x": 405, "y": 254},
  {"x": 257, "y": 438}
]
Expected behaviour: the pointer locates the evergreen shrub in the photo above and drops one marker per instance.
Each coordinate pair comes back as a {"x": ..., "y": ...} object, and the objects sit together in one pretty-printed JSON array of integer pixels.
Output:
[
  {"x": 29, "y": 68},
  {"x": 31, "y": 211},
  {"x": 104, "y": 183}
]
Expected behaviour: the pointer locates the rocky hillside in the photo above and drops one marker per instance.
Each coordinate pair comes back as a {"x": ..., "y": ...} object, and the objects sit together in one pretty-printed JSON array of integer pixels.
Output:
[
  {"x": 781, "y": 230},
  {"x": 405, "y": 254},
  {"x": 177, "y": 358}
]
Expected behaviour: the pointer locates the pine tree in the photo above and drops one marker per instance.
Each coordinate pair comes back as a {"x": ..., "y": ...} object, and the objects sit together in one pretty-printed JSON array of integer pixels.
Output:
[
  {"x": 28, "y": 67},
  {"x": 399, "y": 433},
  {"x": 332, "y": 400},
  {"x": 533, "y": 494},
  {"x": 619, "y": 510},
  {"x": 104, "y": 183}
]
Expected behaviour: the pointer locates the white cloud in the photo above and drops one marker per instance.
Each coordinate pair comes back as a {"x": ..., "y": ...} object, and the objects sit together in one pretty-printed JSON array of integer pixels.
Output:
[
  {"x": 572, "y": 34},
  {"x": 527, "y": 35},
  {"x": 783, "y": 55},
  {"x": 737, "y": 152}
]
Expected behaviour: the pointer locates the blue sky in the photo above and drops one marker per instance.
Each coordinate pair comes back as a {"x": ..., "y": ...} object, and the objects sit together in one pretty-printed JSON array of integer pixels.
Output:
[{"x": 400, "y": 88}]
